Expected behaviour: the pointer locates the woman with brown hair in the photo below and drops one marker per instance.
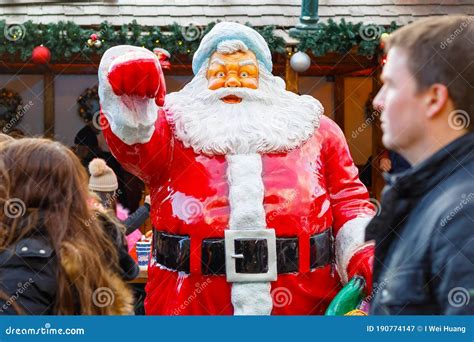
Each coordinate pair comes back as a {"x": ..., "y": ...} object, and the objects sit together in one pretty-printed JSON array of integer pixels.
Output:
[{"x": 55, "y": 257}]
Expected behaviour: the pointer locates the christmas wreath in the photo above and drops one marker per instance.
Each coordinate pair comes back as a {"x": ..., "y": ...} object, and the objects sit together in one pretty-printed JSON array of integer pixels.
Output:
[
  {"x": 88, "y": 103},
  {"x": 11, "y": 109}
]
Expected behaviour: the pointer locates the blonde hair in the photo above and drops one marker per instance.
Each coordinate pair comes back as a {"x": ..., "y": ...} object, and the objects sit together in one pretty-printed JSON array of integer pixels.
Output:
[{"x": 5, "y": 138}]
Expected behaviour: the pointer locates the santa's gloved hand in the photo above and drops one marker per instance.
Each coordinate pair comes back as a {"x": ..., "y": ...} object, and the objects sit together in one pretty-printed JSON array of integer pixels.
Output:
[
  {"x": 361, "y": 264},
  {"x": 137, "y": 74}
]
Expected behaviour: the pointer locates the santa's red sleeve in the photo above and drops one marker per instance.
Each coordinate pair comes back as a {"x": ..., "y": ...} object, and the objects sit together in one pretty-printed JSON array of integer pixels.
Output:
[
  {"x": 144, "y": 160},
  {"x": 349, "y": 198}
]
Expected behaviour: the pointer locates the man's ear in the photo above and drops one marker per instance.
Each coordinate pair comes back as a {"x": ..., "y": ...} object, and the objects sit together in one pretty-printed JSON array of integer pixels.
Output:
[{"x": 436, "y": 98}]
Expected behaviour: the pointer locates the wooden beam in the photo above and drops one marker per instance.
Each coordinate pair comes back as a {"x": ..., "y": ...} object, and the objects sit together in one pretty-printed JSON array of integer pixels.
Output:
[
  {"x": 361, "y": 73},
  {"x": 291, "y": 77},
  {"x": 48, "y": 104},
  {"x": 339, "y": 99},
  {"x": 377, "y": 146},
  {"x": 330, "y": 64}
]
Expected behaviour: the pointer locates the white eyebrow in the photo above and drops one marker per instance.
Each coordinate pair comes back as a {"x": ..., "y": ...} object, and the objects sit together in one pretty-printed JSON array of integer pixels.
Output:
[
  {"x": 218, "y": 61},
  {"x": 247, "y": 62}
]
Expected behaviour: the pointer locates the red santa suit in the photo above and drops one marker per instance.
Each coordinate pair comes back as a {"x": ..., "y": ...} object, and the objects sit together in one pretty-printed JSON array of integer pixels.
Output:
[{"x": 305, "y": 191}]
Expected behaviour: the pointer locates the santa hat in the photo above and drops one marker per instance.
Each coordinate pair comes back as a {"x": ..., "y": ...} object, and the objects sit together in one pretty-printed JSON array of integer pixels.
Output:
[
  {"x": 103, "y": 178},
  {"x": 232, "y": 31}
]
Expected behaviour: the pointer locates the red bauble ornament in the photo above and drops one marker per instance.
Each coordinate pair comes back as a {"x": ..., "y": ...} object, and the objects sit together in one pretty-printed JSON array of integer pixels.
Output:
[{"x": 41, "y": 55}]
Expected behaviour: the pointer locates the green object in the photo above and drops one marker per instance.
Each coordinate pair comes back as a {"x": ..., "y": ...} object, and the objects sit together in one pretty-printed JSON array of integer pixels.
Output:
[
  {"x": 341, "y": 37},
  {"x": 64, "y": 39},
  {"x": 348, "y": 298}
]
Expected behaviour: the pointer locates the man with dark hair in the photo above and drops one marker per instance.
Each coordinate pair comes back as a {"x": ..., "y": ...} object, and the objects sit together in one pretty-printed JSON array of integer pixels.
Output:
[{"x": 424, "y": 234}]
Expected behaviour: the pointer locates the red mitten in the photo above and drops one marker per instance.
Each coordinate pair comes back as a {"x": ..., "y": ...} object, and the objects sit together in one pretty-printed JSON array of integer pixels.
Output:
[
  {"x": 361, "y": 264},
  {"x": 141, "y": 77}
]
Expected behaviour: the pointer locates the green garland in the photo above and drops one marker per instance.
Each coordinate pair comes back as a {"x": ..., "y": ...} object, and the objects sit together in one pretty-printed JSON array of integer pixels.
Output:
[
  {"x": 343, "y": 37},
  {"x": 66, "y": 39}
]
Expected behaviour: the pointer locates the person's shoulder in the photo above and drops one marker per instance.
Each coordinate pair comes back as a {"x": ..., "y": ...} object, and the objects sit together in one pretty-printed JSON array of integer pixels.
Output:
[
  {"x": 326, "y": 123},
  {"x": 451, "y": 205},
  {"x": 86, "y": 136},
  {"x": 28, "y": 272},
  {"x": 32, "y": 253},
  {"x": 111, "y": 225},
  {"x": 458, "y": 185},
  {"x": 84, "y": 131}
]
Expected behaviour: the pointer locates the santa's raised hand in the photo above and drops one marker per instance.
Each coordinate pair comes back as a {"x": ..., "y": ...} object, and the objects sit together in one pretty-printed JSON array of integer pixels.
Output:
[
  {"x": 133, "y": 87},
  {"x": 135, "y": 76}
]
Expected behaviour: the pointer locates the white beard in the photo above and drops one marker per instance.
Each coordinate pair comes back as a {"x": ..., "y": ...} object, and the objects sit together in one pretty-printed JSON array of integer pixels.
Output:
[{"x": 268, "y": 119}]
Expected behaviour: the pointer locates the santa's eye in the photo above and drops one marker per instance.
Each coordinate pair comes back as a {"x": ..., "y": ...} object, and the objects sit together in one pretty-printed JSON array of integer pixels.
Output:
[
  {"x": 244, "y": 74},
  {"x": 220, "y": 74}
]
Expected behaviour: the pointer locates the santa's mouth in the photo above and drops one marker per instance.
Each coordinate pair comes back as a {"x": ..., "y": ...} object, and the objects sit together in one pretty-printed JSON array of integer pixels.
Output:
[{"x": 231, "y": 99}]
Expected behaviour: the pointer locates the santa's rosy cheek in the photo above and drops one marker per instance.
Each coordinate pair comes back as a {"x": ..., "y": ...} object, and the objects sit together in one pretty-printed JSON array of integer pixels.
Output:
[
  {"x": 215, "y": 83},
  {"x": 250, "y": 83}
]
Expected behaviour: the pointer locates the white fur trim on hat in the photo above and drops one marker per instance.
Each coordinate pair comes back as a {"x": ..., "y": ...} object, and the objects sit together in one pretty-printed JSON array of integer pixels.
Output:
[{"x": 232, "y": 31}]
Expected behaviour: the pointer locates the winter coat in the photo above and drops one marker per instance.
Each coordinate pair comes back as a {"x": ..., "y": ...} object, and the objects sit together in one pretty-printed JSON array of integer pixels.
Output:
[{"x": 424, "y": 236}]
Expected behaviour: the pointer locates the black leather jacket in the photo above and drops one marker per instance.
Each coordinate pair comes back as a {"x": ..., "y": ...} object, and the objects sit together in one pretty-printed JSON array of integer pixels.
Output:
[{"x": 424, "y": 253}]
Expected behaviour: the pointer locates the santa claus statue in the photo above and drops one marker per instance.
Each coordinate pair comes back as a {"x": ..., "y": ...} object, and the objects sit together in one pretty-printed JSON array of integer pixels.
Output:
[{"x": 257, "y": 208}]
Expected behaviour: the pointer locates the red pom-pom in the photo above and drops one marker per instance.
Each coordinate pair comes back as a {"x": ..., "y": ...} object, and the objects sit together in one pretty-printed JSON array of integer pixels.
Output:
[{"x": 41, "y": 55}]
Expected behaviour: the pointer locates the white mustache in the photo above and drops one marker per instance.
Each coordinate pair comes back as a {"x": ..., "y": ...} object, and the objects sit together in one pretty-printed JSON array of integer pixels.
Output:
[{"x": 246, "y": 94}]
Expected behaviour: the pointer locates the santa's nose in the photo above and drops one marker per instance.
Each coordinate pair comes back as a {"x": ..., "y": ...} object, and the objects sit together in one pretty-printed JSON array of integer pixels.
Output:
[{"x": 232, "y": 81}]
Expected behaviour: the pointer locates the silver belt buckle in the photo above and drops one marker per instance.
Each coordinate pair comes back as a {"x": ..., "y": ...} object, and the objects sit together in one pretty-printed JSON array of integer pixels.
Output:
[{"x": 230, "y": 236}]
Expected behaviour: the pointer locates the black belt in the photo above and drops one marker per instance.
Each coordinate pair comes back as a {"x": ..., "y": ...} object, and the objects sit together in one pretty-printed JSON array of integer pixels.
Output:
[{"x": 173, "y": 252}]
